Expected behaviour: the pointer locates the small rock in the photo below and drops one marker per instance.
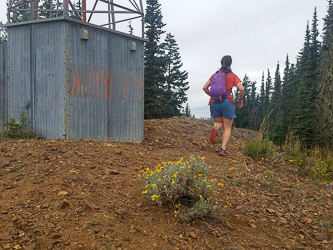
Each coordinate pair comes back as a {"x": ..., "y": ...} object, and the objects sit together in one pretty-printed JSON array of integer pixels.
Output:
[
  {"x": 7, "y": 246},
  {"x": 88, "y": 205},
  {"x": 114, "y": 172},
  {"x": 45, "y": 205},
  {"x": 37, "y": 232},
  {"x": 55, "y": 236},
  {"x": 50, "y": 245},
  {"x": 5, "y": 163},
  {"x": 126, "y": 238},
  {"x": 193, "y": 235},
  {"x": 120, "y": 210},
  {"x": 320, "y": 237},
  {"x": 253, "y": 226},
  {"x": 62, "y": 193},
  {"x": 172, "y": 242},
  {"x": 63, "y": 205},
  {"x": 30, "y": 247}
]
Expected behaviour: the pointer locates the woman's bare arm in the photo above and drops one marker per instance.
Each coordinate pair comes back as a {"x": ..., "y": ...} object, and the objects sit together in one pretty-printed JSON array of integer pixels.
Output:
[{"x": 206, "y": 86}]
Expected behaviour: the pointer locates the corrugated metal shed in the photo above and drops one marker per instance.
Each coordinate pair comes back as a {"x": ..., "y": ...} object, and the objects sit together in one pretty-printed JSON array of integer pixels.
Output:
[
  {"x": 77, "y": 80},
  {"x": 3, "y": 83}
]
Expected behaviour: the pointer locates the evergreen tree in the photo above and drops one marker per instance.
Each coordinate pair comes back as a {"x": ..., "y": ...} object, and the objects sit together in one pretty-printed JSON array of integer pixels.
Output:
[
  {"x": 324, "y": 105},
  {"x": 276, "y": 96},
  {"x": 262, "y": 98},
  {"x": 253, "y": 106},
  {"x": 154, "y": 62},
  {"x": 287, "y": 96},
  {"x": 176, "y": 84},
  {"x": 307, "y": 74},
  {"x": 3, "y": 33},
  {"x": 242, "y": 114},
  {"x": 187, "y": 111},
  {"x": 268, "y": 92}
]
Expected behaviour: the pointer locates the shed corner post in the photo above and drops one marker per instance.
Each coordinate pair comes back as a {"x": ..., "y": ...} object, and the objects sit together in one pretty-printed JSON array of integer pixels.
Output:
[{"x": 66, "y": 134}]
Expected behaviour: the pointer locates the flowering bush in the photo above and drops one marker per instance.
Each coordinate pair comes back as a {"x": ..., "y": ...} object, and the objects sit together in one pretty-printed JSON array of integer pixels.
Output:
[{"x": 185, "y": 184}]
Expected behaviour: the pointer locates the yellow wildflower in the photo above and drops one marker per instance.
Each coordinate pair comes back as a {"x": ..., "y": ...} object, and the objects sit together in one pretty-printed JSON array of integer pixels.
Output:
[
  {"x": 154, "y": 197},
  {"x": 204, "y": 180},
  {"x": 153, "y": 185},
  {"x": 160, "y": 180},
  {"x": 200, "y": 174},
  {"x": 211, "y": 180},
  {"x": 209, "y": 166},
  {"x": 173, "y": 181},
  {"x": 200, "y": 196},
  {"x": 209, "y": 198},
  {"x": 203, "y": 158},
  {"x": 220, "y": 184},
  {"x": 144, "y": 192}
]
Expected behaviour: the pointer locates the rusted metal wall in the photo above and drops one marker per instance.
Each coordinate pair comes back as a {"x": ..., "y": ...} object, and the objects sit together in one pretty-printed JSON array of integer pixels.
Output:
[
  {"x": 73, "y": 87},
  {"x": 106, "y": 92},
  {"x": 3, "y": 83}
]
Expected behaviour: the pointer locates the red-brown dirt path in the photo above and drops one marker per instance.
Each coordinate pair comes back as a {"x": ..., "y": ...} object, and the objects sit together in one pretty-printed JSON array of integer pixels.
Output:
[{"x": 60, "y": 194}]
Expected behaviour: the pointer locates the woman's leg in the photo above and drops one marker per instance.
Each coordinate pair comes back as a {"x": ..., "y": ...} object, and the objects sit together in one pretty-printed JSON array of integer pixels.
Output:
[
  {"x": 218, "y": 122},
  {"x": 226, "y": 132}
]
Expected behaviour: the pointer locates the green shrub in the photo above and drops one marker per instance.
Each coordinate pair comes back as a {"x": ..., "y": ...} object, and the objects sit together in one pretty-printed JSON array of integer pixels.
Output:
[
  {"x": 17, "y": 130},
  {"x": 186, "y": 185},
  {"x": 258, "y": 149}
]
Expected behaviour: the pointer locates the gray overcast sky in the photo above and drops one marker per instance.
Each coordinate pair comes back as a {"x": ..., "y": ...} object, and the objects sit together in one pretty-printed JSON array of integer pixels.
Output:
[{"x": 257, "y": 34}]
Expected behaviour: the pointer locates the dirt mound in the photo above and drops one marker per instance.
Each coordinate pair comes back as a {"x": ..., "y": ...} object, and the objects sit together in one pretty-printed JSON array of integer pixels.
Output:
[{"x": 60, "y": 194}]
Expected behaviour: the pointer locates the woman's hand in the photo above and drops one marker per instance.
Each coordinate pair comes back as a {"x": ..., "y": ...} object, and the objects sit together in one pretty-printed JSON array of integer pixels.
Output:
[{"x": 240, "y": 103}]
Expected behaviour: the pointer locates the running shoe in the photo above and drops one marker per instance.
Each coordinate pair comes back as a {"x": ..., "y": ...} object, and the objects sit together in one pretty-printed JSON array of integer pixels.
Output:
[
  {"x": 212, "y": 136},
  {"x": 224, "y": 152}
]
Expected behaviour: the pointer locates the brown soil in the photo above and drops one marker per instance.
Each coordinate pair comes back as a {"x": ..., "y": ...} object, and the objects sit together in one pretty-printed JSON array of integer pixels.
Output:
[{"x": 60, "y": 194}]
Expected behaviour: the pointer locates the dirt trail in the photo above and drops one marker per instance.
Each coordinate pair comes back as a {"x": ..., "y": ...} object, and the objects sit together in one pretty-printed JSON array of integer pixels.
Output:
[{"x": 59, "y": 194}]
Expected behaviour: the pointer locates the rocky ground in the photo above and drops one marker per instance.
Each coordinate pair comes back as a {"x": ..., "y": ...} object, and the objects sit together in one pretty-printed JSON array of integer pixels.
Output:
[{"x": 61, "y": 194}]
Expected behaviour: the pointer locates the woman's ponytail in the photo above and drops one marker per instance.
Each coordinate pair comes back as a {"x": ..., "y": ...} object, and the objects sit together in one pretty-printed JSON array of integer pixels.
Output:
[{"x": 226, "y": 63}]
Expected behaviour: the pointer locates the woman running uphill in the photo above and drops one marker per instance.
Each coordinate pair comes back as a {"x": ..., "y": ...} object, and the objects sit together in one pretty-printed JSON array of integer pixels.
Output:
[{"x": 223, "y": 109}]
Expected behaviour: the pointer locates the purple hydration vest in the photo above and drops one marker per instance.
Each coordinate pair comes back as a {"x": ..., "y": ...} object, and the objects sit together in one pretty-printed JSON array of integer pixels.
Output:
[{"x": 217, "y": 86}]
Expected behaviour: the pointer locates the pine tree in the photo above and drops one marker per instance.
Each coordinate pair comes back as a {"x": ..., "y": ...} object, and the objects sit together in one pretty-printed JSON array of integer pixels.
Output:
[
  {"x": 324, "y": 105},
  {"x": 287, "y": 96},
  {"x": 242, "y": 114},
  {"x": 307, "y": 73},
  {"x": 262, "y": 98},
  {"x": 253, "y": 106},
  {"x": 176, "y": 84},
  {"x": 154, "y": 62},
  {"x": 276, "y": 96},
  {"x": 268, "y": 92},
  {"x": 3, "y": 33},
  {"x": 187, "y": 111}
]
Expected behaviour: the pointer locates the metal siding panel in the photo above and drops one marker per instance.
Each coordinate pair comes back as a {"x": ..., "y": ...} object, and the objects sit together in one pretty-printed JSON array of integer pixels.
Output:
[
  {"x": 88, "y": 77},
  {"x": 19, "y": 88},
  {"x": 49, "y": 88},
  {"x": 126, "y": 104},
  {"x": 3, "y": 83}
]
